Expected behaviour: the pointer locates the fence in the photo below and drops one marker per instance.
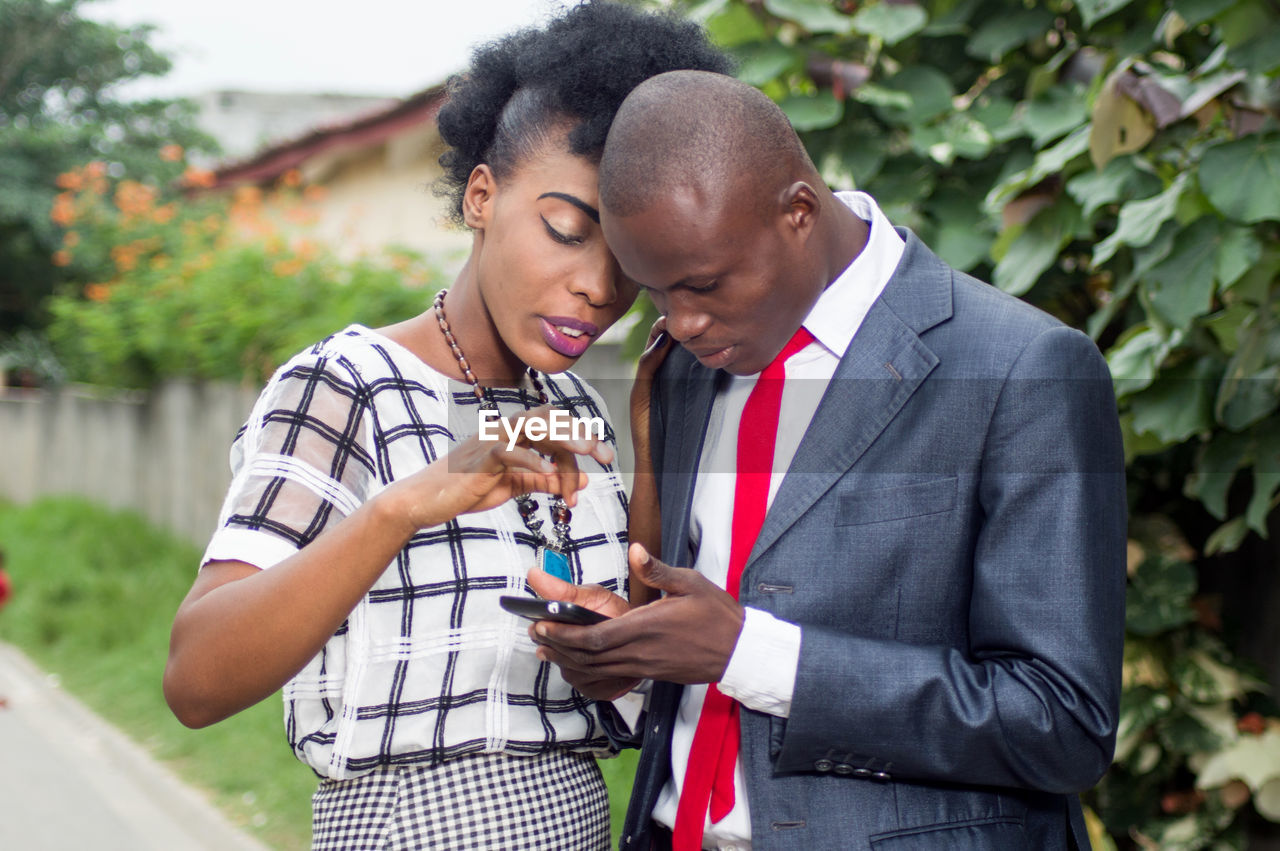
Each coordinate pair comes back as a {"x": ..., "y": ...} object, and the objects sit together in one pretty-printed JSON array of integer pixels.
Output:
[{"x": 164, "y": 453}]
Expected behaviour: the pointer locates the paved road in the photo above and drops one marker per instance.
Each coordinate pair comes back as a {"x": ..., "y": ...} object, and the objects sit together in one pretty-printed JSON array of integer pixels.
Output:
[{"x": 69, "y": 780}]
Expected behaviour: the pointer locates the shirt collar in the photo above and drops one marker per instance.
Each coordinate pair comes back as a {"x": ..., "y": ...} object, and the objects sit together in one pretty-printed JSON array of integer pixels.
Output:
[{"x": 840, "y": 309}]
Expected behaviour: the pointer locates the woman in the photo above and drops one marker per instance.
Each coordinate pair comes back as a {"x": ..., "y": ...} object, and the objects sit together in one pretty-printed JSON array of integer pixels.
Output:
[{"x": 368, "y": 532}]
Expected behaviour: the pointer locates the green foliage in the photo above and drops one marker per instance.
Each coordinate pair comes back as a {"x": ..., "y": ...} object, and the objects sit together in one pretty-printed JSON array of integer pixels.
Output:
[
  {"x": 209, "y": 289},
  {"x": 1117, "y": 163},
  {"x": 59, "y": 77},
  {"x": 94, "y": 592}
]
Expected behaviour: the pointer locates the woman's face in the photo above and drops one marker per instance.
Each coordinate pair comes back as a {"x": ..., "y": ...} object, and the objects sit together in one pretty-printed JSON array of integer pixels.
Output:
[{"x": 548, "y": 280}]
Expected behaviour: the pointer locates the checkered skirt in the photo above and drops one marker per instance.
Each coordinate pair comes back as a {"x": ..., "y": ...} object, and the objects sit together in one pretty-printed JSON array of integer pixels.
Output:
[{"x": 555, "y": 800}]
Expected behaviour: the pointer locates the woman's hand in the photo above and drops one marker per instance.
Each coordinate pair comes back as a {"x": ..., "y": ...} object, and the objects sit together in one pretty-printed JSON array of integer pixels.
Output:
[
  {"x": 655, "y": 352},
  {"x": 644, "y": 526},
  {"x": 483, "y": 474}
]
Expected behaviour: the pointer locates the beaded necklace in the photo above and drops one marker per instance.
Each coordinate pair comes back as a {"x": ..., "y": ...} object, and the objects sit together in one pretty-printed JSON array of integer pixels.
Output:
[{"x": 553, "y": 553}]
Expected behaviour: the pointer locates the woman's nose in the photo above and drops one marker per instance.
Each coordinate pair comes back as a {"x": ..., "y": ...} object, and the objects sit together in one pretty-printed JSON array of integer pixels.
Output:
[{"x": 597, "y": 282}]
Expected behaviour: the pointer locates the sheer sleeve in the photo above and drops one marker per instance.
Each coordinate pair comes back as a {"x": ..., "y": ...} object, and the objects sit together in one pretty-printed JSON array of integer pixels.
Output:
[{"x": 304, "y": 460}]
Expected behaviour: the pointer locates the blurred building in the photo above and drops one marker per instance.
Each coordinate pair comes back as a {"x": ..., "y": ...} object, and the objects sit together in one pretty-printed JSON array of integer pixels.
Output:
[
  {"x": 245, "y": 122},
  {"x": 375, "y": 169}
]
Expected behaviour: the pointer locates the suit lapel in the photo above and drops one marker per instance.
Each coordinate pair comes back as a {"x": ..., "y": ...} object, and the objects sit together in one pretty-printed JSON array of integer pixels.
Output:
[{"x": 884, "y": 365}]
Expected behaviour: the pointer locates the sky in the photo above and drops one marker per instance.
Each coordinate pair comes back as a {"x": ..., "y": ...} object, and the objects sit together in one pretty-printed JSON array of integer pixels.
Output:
[{"x": 373, "y": 47}]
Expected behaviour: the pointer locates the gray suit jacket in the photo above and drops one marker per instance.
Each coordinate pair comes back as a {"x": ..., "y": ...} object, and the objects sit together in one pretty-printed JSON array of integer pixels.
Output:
[{"x": 950, "y": 537}]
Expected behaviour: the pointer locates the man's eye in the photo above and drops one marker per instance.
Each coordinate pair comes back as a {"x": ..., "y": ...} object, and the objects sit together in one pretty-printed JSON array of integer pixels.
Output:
[
  {"x": 562, "y": 238},
  {"x": 706, "y": 288}
]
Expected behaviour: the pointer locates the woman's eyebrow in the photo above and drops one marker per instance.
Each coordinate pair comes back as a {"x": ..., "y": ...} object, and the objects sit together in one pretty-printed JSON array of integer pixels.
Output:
[{"x": 575, "y": 201}]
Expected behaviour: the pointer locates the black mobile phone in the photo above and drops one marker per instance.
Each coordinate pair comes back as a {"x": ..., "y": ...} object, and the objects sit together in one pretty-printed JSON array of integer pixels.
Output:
[{"x": 550, "y": 610}]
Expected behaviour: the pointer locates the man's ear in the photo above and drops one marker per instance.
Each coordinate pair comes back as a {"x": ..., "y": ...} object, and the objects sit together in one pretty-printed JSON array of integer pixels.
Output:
[
  {"x": 801, "y": 208},
  {"x": 478, "y": 197}
]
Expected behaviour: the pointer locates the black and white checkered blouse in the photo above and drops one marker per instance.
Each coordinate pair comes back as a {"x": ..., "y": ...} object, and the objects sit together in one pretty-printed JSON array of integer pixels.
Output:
[{"x": 427, "y": 667}]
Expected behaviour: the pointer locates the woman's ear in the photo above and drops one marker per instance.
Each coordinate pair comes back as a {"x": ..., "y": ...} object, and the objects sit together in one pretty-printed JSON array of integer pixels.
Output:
[{"x": 477, "y": 198}]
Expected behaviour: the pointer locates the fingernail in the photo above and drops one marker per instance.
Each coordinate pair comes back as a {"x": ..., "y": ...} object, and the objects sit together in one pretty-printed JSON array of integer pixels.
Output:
[{"x": 541, "y": 630}]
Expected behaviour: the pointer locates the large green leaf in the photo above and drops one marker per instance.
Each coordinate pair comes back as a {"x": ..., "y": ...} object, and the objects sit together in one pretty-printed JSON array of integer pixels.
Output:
[
  {"x": 1242, "y": 178},
  {"x": 1036, "y": 247},
  {"x": 1049, "y": 161},
  {"x": 890, "y": 22},
  {"x": 816, "y": 16},
  {"x": 1180, "y": 287},
  {"x": 930, "y": 92},
  {"x": 1178, "y": 404},
  {"x": 1215, "y": 471},
  {"x": 1266, "y": 481},
  {"x": 1058, "y": 111},
  {"x": 734, "y": 25},
  {"x": 813, "y": 112},
  {"x": 1196, "y": 12},
  {"x": 1247, "y": 392},
  {"x": 1239, "y": 250},
  {"x": 1093, "y": 11},
  {"x": 957, "y": 135},
  {"x": 761, "y": 61},
  {"x": 1119, "y": 180},
  {"x": 1159, "y": 596},
  {"x": 1002, "y": 33},
  {"x": 1137, "y": 356},
  {"x": 1141, "y": 220}
]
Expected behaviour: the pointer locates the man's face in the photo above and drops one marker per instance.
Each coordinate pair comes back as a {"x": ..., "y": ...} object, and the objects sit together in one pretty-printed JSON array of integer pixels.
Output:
[{"x": 733, "y": 282}]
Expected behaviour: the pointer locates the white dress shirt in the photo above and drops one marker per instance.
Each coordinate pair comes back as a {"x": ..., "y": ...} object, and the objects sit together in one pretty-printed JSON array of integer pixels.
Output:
[{"x": 761, "y": 673}]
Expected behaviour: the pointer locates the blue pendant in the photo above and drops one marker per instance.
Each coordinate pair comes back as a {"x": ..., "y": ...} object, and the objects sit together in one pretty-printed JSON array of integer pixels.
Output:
[{"x": 557, "y": 564}]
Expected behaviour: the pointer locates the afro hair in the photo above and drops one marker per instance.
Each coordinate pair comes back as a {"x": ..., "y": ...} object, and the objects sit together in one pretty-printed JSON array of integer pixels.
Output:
[{"x": 576, "y": 70}]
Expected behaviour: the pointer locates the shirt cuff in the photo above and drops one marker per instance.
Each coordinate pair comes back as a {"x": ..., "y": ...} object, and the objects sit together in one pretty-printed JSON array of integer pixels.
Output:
[
  {"x": 260, "y": 549},
  {"x": 761, "y": 673}
]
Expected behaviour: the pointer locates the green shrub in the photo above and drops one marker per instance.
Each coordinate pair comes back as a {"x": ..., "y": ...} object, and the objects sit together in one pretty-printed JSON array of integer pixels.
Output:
[{"x": 209, "y": 288}]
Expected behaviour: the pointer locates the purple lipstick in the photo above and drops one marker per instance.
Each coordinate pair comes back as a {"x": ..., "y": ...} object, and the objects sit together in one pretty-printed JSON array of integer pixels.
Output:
[{"x": 568, "y": 336}]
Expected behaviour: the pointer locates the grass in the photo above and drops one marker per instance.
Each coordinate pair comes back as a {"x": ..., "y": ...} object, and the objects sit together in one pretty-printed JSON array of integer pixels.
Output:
[{"x": 94, "y": 595}]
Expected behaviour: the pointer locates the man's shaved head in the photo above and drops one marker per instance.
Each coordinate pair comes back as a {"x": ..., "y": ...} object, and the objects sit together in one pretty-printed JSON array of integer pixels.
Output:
[{"x": 700, "y": 130}]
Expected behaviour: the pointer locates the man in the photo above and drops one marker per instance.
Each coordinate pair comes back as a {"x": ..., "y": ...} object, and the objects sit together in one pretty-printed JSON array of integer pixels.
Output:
[{"x": 925, "y": 647}]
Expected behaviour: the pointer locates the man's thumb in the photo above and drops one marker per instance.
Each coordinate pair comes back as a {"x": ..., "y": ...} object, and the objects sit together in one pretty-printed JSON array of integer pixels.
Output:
[{"x": 653, "y": 572}]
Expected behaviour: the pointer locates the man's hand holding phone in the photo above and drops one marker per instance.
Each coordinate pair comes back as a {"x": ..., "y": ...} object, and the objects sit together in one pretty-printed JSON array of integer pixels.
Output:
[{"x": 596, "y": 599}]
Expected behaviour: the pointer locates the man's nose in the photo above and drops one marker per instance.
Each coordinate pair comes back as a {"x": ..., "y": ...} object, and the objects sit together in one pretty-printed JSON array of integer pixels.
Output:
[{"x": 684, "y": 324}]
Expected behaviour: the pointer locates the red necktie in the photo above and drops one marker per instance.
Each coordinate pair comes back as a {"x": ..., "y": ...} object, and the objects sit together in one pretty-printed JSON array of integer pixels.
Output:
[{"x": 708, "y": 780}]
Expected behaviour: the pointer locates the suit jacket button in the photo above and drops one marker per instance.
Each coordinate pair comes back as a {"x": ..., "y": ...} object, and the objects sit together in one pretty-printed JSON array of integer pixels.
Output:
[
  {"x": 844, "y": 768},
  {"x": 862, "y": 772},
  {"x": 881, "y": 775},
  {"x": 823, "y": 765}
]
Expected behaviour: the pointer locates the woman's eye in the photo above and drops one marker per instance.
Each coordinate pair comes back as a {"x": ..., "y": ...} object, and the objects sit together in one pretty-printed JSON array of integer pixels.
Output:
[{"x": 562, "y": 238}]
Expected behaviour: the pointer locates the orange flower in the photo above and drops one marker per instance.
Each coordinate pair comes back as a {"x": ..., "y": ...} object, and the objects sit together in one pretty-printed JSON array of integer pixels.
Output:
[
  {"x": 199, "y": 178},
  {"x": 163, "y": 215},
  {"x": 171, "y": 153},
  {"x": 70, "y": 239},
  {"x": 63, "y": 213},
  {"x": 287, "y": 268},
  {"x": 134, "y": 199},
  {"x": 71, "y": 180},
  {"x": 291, "y": 178},
  {"x": 62, "y": 257},
  {"x": 125, "y": 257},
  {"x": 248, "y": 196},
  {"x": 97, "y": 292},
  {"x": 160, "y": 262},
  {"x": 95, "y": 169}
]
